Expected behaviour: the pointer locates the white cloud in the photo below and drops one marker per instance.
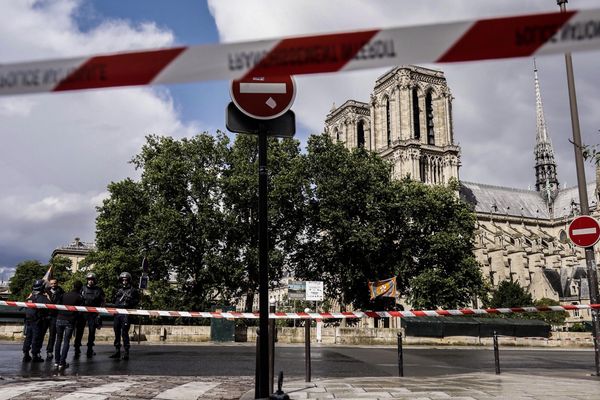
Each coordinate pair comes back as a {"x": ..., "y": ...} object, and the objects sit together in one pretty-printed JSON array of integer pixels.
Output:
[
  {"x": 59, "y": 151},
  {"x": 494, "y": 106}
]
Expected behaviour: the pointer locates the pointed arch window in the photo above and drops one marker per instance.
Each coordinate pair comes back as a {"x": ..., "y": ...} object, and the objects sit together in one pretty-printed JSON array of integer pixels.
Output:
[
  {"x": 423, "y": 169},
  {"x": 360, "y": 133},
  {"x": 416, "y": 114},
  {"x": 337, "y": 135},
  {"x": 388, "y": 122},
  {"x": 429, "y": 118}
]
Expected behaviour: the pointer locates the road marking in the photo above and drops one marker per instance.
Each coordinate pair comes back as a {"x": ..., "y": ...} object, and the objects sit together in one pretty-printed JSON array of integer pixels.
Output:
[
  {"x": 10, "y": 392},
  {"x": 97, "y": 393},
  {"x": 275, "y": 88},
  {"x": 584, "y": 231},
  {"x": 191, "y": 390}
]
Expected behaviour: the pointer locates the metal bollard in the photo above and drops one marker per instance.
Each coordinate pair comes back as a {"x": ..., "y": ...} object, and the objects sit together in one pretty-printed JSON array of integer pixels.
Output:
[
  {"x": 400, "y": 356},
  {"x": 307, "y": 323},
  {"x": 272, "y": 347},
  {"x": 496, "y": 353},
  {"x": 256, "y": 380}
]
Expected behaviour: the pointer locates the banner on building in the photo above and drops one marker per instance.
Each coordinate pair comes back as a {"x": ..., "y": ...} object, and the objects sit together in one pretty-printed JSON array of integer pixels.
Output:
[{"x": 384, "y": 288}]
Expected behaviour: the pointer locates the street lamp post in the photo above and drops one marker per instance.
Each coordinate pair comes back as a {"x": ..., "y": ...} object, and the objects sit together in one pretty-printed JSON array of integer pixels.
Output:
[{"x": 583, "y": 197}]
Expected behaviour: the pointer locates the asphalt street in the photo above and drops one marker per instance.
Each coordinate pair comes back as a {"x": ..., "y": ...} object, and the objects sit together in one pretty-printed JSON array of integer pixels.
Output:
[{"x": 327, "y": 361}]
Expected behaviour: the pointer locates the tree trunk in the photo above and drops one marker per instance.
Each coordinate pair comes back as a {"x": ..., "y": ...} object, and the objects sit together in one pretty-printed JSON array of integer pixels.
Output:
[{"x": 249, "y": 300}]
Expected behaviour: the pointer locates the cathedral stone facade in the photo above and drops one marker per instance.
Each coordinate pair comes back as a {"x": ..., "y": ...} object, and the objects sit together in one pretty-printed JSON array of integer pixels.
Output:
[
  {"x": 408, "y": 121},
  {"x": 522, "y": 234}
]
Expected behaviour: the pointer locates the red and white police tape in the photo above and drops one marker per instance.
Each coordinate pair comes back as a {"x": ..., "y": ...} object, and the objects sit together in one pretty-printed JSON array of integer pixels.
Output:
[
  {"x": 302, "y": 315},
  {"x": 516, "y": 36}
]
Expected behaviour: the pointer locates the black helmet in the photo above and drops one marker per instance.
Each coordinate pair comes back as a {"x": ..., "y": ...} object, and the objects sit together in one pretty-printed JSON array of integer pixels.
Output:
[
  {"x": 39, "y": 284},
  {"x": 125, "y": 275},
  {"x": 90, "y": 275}
]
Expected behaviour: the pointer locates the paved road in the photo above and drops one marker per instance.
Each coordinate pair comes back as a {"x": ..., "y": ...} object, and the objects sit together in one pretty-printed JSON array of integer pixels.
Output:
[{"x": 327, "y": 361}]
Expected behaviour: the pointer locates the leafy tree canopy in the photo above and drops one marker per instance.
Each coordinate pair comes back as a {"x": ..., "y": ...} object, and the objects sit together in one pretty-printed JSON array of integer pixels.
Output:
[
  {"x": 334, "y": 215},
  {"x": 363, "y": 226},
  {"x": 29, "y": 271}
]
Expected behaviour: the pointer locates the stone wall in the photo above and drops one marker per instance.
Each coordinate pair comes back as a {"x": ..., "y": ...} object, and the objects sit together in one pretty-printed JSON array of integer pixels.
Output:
[{"x": 329, "y": 336}]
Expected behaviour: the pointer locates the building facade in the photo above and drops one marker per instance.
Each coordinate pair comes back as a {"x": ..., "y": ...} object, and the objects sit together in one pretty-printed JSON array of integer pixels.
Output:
[
  {"x": 521, "y": 234},
  {"x": 76, "y": 251},
  {"x": 407, "y": 120}
]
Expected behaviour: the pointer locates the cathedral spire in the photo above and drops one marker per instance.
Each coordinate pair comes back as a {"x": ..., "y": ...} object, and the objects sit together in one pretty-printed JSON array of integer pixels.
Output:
[{"x": 546, "y": 181}]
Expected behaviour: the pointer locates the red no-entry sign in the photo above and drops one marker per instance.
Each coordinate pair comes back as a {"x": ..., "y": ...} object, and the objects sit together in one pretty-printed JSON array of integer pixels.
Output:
[
  {"x": 263, "y": 97},
  {"x": 584, "y": 231}
]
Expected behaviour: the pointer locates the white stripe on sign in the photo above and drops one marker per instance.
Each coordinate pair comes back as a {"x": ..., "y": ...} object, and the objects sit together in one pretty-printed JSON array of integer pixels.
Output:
[
  {"x": 584, "y": 231},
  {"x": 272, "y": 88},
  {"x": 101, "y": 392},
  {"x": 9, "y": 392},
  {"x": 191, "y": 390}
]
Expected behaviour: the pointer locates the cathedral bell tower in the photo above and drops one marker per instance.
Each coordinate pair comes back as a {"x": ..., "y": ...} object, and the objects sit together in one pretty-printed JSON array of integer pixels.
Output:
[
  {"x": 407, "y": 121},
  {"x": 546, "y": 181}
]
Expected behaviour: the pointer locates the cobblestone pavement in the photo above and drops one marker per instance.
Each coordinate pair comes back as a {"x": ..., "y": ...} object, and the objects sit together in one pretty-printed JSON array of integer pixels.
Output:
[
  {"x": 125, "y": 387},
  {"x": 476, "y": 386}
]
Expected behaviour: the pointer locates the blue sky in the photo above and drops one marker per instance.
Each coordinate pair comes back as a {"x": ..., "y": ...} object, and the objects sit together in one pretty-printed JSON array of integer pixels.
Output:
[
  {"x": 192, "y": 24},
  {"x": 60, "y": 151}
]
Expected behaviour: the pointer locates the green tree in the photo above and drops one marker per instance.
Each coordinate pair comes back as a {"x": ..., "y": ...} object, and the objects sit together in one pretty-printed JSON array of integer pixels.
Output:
[
  {"x": 239, "y": 262},
  {"x": 363, "y": 226},
  {"x": 29, "y": 271},
  {"x": 510, "y": 294},
  {"x": 552, "y": 317},
  {"x": 26, "y": 273},
  {"x": 172, "y": 216},
  {"x": 431, "y": 236}
]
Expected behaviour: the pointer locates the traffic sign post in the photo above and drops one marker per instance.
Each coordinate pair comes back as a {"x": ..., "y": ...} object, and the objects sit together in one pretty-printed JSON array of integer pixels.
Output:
[
  {"x": 262, "y": 97},
  {"x": 261, "y": 106},
  {"x": 584, "y": 231}
]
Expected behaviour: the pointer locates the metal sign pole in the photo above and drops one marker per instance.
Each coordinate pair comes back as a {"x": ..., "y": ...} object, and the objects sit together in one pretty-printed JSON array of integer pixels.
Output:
[
  {"x": 583, "y": 197},
  {"x": 263, "y": 264}
]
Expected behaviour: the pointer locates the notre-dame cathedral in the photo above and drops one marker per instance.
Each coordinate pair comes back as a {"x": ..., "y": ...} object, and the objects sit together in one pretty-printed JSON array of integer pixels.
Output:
[{"x": 521, "y": 234}]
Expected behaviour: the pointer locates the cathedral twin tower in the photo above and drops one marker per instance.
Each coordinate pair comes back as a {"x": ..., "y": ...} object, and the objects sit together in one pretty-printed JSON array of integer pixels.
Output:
[{"x": 407, "y": 121}]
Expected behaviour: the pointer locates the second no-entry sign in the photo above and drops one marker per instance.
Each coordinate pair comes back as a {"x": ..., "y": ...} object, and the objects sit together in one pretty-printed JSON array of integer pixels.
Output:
[
  {"x": 264, "y": 97},
  {"x": 584, "y": 231}
]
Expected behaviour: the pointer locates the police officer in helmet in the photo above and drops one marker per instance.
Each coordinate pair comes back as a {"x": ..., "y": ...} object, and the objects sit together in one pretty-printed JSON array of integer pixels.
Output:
[
  {"x": 126, "y": 297},
  {"x": 93, "y": 296},
  {"x": 36, "y": 321}
]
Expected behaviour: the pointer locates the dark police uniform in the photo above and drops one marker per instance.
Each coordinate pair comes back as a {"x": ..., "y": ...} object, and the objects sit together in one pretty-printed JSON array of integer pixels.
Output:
[
  {"x": 36, "y": 321},
  {"x": 93, "y": 296},
  {"x": 126, "y": 297}
]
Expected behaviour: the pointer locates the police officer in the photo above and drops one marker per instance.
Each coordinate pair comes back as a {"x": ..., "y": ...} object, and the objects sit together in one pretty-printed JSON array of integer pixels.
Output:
[
  {"x": 93, "y": 296},
  {"x": 126, "y": 297},
  {"x": 55, "y": 294},
  {"x": 35, "y": 323}
]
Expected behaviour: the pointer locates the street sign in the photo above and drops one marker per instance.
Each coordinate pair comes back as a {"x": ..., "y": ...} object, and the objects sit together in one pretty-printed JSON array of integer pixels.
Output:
[
  {"x": 264, "y": 97},
  {"x": 297, "y": 290},
  {"x": 283, "y": 126},
  {"x": 314, "y": 290},
  {"x": 584, "y": 231}
]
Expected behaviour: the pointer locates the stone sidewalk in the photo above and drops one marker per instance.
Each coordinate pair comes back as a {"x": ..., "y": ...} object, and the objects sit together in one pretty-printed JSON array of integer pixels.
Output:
[
  {"x": 476, "y": 386},
  {"x": 124, "y": 388}
]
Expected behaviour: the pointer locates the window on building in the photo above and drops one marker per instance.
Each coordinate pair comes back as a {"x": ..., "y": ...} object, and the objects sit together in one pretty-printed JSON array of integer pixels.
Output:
[
  {"x": 388, "y": 122},
  {"x": 360, "y": 133},
  {"x": 337, "y": 135},
  {"x": 429, "y": 118},
  {"x": 423, "y": 169},
  {"x": 416, "y": 114}
]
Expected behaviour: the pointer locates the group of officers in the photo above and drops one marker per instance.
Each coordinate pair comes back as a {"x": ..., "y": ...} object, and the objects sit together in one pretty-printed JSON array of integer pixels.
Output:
[{"x": 62, "y": 324}]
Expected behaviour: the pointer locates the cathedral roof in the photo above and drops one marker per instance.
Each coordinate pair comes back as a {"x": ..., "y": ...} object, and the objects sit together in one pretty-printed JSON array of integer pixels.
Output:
[
  {"x": 503, "y": 200},
  {"x": 521, "y": 202}
]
